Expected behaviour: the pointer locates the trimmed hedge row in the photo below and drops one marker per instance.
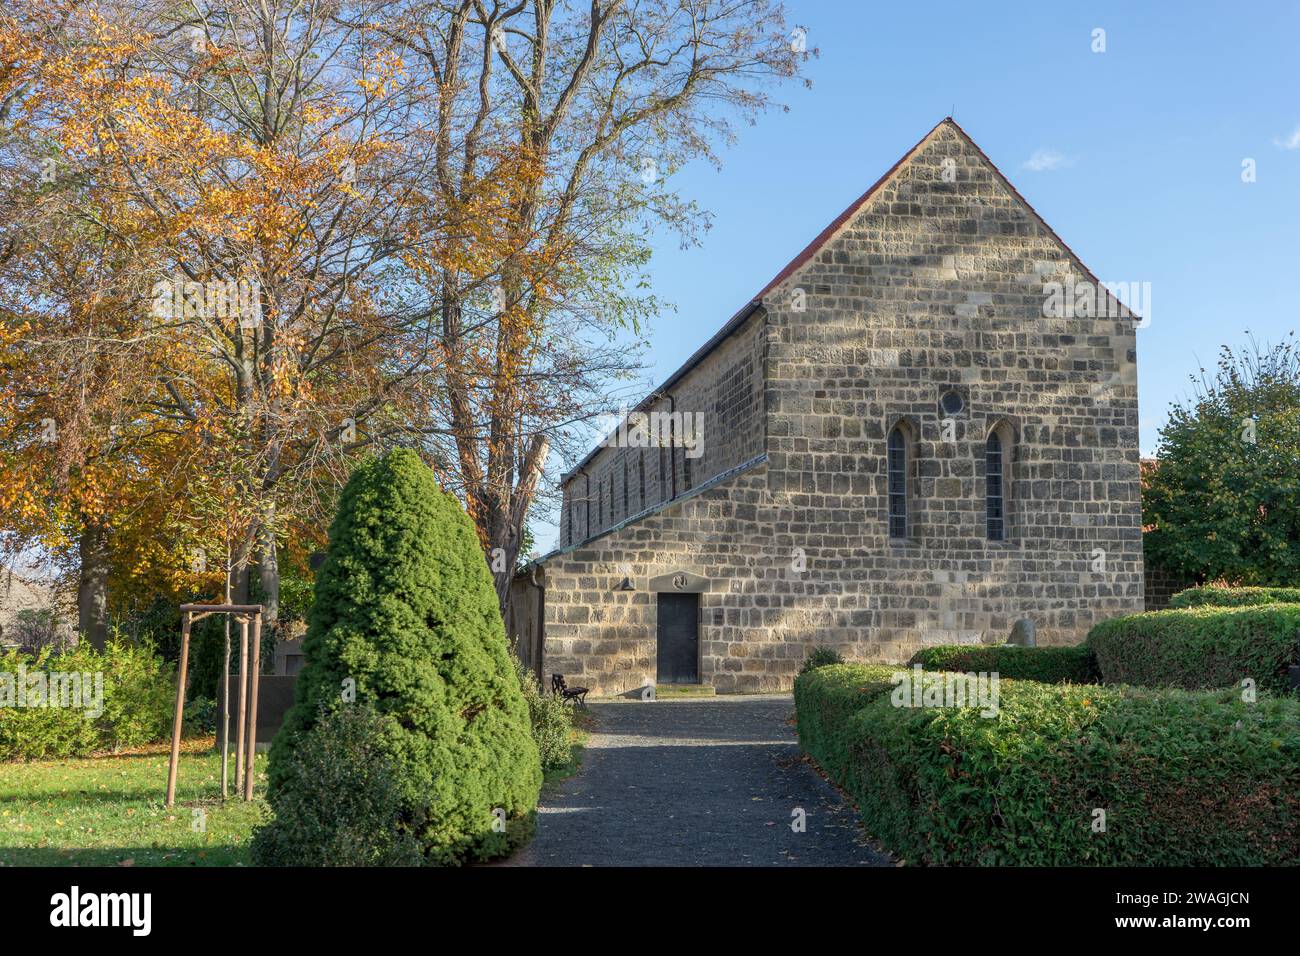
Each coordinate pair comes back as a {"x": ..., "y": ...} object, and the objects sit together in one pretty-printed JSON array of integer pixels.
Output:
[
  {"x": 1051, "y": 665},
  {"x": 1183, "y": 778},
  {"x": 1202, "y": 647},
  {"x": 841, "y": 691},
  {"x": 1234, "y": 597}
]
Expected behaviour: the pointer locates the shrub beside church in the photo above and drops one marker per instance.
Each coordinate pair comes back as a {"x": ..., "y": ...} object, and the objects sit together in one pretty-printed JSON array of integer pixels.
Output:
[{"x": 405, "y": 623}]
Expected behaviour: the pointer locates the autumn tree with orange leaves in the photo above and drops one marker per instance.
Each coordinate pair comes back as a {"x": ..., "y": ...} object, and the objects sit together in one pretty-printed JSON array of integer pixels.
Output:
[
  {"x": 247, "y": 182},
  {"x": 605, "y": 100},
  {"x": 79, "y": 459},
  {"x": 243, "y": 244}
]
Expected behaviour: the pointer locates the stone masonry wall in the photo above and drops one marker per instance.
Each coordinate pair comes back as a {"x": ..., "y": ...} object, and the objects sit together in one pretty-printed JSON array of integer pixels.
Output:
[
  {"x": 1161, "y": 585},
  {"x": 604, "y": 638},
  {"x": 936, "y": 284},
  {"x": 725, "y": 391}
]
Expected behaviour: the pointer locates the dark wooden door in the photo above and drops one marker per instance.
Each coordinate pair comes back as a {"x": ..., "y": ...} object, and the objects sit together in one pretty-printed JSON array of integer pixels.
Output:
[{"x": 679, "y": 639}]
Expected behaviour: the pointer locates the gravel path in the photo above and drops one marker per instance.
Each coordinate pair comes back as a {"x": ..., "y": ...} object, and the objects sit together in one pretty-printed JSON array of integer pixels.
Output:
[{"x": 695, "y": 783}]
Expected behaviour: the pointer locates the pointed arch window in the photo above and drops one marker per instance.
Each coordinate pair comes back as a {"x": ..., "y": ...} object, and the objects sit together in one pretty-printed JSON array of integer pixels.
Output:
[
  {"x": 997, "y": 449},
  {"x": 896, "y": 476}
]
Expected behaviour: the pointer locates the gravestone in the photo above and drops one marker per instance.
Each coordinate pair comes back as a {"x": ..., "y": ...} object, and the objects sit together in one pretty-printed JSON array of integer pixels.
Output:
[
  {"x": 1022, "y": 633},
  {"x": 274, "y": 698}
]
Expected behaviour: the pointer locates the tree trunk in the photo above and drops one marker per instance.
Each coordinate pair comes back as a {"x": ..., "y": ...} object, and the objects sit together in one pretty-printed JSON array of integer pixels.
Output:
[
  {"x": 241, "y": 589},
  {"x": 508, "y": 532},
  {"x": 92, "y": 585},
  {"x": 268, "y": 570}
]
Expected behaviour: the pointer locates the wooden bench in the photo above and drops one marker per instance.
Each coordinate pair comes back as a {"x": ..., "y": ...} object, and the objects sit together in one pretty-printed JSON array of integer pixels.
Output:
[{"x": 563, "y": 690}]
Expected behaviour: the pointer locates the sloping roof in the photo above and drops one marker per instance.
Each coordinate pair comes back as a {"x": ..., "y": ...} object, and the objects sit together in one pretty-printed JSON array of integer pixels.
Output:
[
  {"x": 828, "y": 233},
  {"x": 700, "y": 354},
  {"x": 810, "y": 250},
  {"x": 699, "y": 489}
]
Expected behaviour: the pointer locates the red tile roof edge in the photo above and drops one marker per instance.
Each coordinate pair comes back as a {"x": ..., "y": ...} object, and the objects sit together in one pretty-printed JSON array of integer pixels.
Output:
[{"x": 826, "y": 234}]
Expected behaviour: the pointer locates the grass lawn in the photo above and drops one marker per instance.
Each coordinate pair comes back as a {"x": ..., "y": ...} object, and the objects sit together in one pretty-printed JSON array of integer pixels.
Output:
[{"x": 108, "y": 811}]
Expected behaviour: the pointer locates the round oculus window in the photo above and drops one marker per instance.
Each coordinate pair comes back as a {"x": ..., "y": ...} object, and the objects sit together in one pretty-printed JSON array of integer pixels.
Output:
[{"x": 952, "y": 403}]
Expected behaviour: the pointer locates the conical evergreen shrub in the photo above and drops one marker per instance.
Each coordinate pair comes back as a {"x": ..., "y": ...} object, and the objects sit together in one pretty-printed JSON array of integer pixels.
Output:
[
  {"x": 405, "y": 620},
  {"x": 338, "y": 803}
]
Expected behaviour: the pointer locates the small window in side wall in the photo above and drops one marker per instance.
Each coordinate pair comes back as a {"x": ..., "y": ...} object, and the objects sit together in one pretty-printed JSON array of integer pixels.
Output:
[
  {"x": 995, "y": 487},
  {"x": 640, "y": 467},
  {"x": 896, "y": 476}
]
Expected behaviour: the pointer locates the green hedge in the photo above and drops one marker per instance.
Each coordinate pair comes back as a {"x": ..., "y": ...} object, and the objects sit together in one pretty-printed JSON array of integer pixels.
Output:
[
  {"x": 824, "y": 704},
  {"x": 1184, "y": 778},
  {"x": 1202, "y": 647},
  {"x": 1051, "y": 665},
  {"x": 138, "y": 696},
  {"x": 343, "y": 805},
  {"x": 1234, "y": 597}
]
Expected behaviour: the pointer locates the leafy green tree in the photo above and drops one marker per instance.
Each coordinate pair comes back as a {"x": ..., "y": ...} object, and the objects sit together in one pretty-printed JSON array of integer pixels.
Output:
[
  {"x": 405, "y": 620},
  {"x": 1223, "y": 501}
]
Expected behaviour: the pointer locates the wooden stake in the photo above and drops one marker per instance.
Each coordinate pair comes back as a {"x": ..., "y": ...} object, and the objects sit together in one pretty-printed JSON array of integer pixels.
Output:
[
  {"x": 225, "y": 693},
  {"x": 225, "y": 718},
  {"x": 243, "y": 703},
  {"x": 179, "y": 716},
  {"x": 253, "y": 677}
]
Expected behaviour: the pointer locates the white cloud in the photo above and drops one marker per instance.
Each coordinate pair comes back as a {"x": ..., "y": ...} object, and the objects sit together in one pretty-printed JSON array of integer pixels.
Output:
[
  {"x": 1045, "y": 160},
  {"x": 1292, "y": 141}
]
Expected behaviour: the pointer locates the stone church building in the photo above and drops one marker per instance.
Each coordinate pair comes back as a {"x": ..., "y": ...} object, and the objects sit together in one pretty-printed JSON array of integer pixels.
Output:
[{"x": 904, "y": 439}]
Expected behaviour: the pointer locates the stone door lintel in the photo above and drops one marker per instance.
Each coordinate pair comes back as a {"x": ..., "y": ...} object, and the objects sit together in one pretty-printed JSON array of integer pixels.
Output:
[{"x": 680, "y": 582}]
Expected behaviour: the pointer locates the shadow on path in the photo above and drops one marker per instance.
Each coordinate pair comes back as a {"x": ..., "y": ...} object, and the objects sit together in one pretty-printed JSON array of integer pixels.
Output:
[{"x": 711, "y": 782}]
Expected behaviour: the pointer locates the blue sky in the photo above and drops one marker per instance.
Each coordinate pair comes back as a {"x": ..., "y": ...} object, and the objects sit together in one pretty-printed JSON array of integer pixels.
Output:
[{"x": 1139, "y": 169}]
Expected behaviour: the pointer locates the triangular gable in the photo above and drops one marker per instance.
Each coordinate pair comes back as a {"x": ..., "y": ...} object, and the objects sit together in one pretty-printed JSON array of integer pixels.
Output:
[{"x": 828, "y": 234}]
